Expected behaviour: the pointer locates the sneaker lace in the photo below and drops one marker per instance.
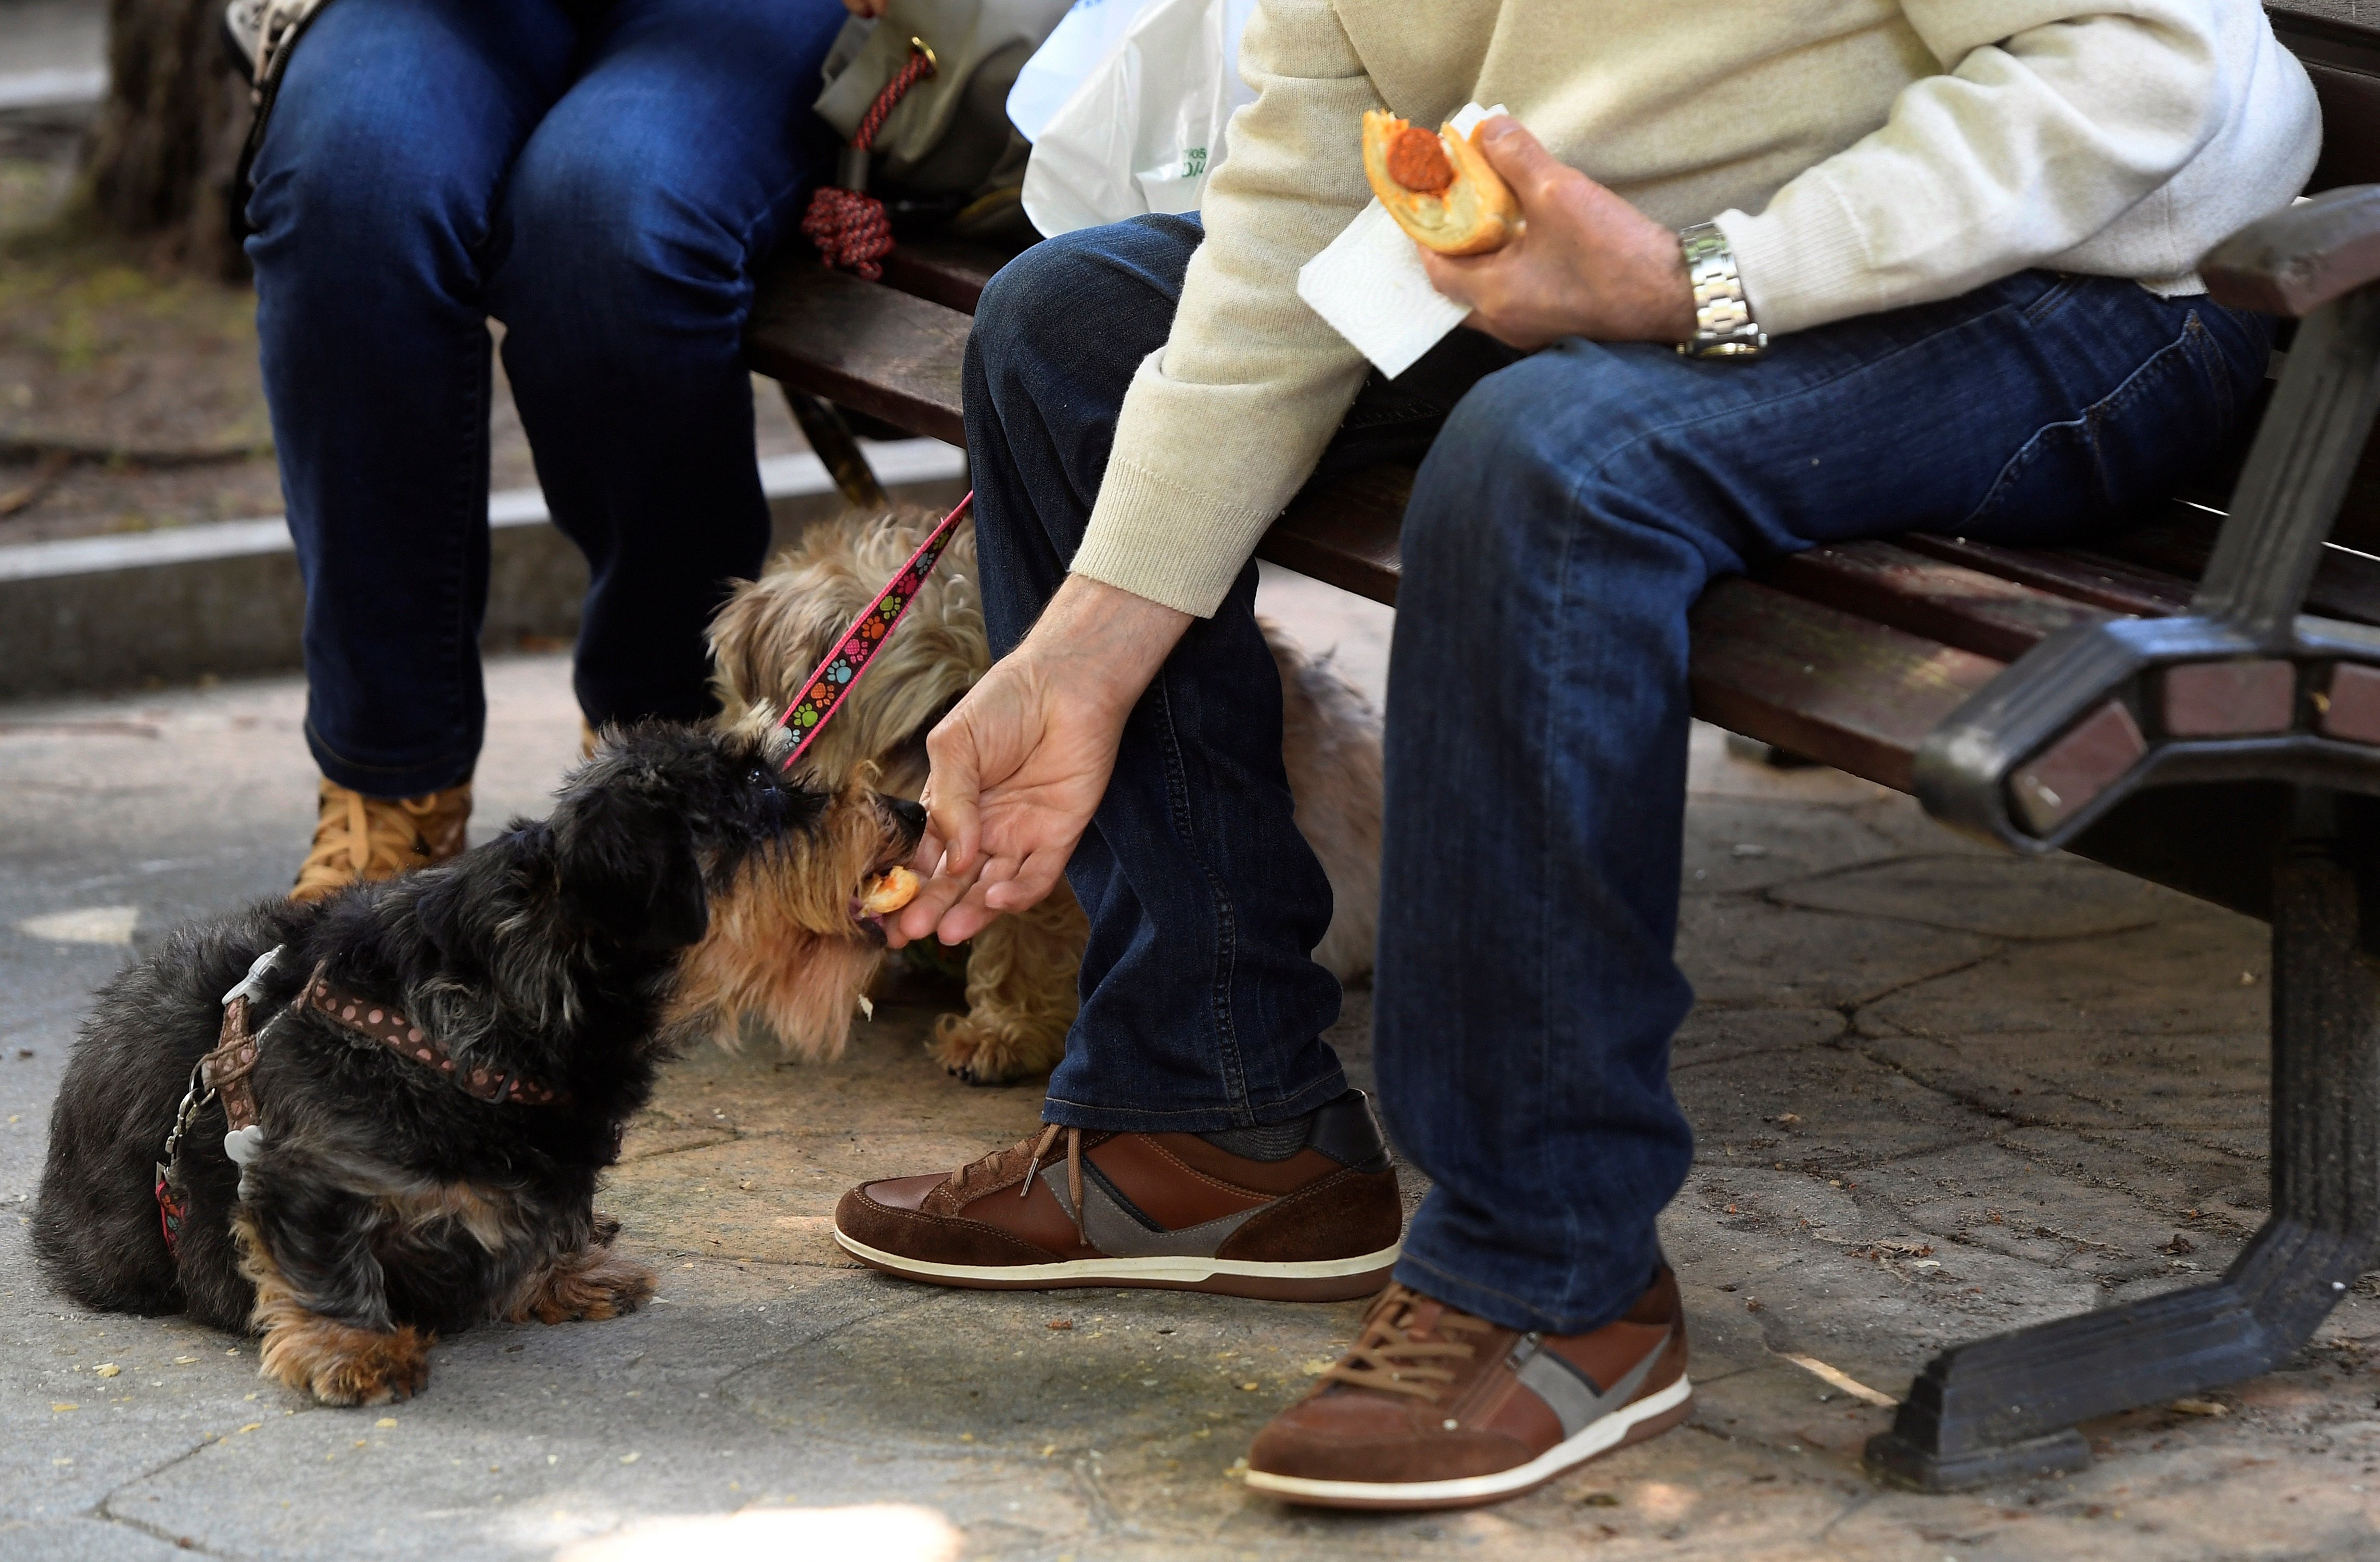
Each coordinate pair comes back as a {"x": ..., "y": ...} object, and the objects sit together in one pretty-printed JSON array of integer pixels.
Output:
[
  {"x": 360, "y": 837},
  {"x": 995, "y": 1168},
  {"x": 1394, "y": 1358}
]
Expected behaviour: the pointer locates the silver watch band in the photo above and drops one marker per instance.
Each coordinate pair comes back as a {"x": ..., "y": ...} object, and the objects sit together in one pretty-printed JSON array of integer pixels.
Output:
[{"x": 1723, "y": 322}]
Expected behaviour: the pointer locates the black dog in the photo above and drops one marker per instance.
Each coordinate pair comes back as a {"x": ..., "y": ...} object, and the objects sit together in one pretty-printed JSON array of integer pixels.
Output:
[{"x": 438, "y": 1068}]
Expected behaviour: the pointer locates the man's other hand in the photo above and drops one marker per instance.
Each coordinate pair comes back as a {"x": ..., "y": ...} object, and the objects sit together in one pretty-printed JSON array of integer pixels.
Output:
[
  {"x": 1588, "y": 264},
  {"x": 1020, "y": 764}
]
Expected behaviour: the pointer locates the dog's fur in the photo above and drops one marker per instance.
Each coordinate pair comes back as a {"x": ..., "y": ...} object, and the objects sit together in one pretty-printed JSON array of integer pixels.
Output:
[
  {"x": 1021, "y": 970},
  {"x": 387, "y": 1204}
]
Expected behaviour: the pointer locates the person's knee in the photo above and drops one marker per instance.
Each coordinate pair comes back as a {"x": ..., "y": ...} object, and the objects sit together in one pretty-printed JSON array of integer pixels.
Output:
[
  {"x": 600, "y": 254},
  {"x": 1077, "y": 296},
  {"x": 359, "y": 186}
]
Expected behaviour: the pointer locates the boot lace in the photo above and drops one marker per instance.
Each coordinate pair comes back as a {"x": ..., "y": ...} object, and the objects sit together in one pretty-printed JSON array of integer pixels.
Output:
[
  {"x": 1394, "y": 1358},
  {"x": 357, "y": 837},
  {"x": 995, "y": 1168}
]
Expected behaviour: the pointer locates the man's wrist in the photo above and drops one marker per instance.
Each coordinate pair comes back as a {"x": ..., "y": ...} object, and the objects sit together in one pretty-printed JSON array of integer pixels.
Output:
[
  {"x": 1111, "y": 641},
  {"x": 1723, "y": 325}
]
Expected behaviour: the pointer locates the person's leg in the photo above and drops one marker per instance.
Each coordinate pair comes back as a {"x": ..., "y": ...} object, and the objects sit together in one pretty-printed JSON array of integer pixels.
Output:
[
  {"x": 623, "y": 273},
  {"x": 1574, "y": 508},
  {"x": 1199, "y": 1132},
  {"x": 1200, "y": 1007},
  {"x": 392, "y": 134}
]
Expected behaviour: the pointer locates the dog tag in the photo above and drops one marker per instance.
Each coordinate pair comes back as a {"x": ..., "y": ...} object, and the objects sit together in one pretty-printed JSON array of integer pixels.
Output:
[{"x": 243, "y": 1145}]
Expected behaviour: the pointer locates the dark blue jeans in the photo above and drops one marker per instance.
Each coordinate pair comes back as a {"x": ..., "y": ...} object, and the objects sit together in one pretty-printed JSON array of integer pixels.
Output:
[
  {"x": 1572, "y": 505},
  {"x": 603, "y": 189}
]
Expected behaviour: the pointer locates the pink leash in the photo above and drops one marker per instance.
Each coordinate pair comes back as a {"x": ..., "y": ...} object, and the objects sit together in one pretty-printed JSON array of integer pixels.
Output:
[{"x": 836, "y": 677}]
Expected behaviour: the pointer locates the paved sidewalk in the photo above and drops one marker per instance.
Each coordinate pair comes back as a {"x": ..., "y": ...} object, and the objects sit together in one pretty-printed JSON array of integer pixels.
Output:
[{"x": 1939, "y": 1094}]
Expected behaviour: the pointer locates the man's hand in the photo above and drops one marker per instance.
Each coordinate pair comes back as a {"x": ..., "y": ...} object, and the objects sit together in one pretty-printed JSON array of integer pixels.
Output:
[
  {"x": 866, "y": 10},
  {"x": 1588, "y": 264},
  {"x": 1020, "y": 764}
]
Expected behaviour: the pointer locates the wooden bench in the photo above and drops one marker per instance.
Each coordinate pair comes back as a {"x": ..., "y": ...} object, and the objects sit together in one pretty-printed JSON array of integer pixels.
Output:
[{"x": 2195, "y": 701}]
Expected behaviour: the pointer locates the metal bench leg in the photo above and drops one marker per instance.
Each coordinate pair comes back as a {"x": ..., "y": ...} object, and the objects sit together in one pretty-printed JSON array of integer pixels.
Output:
[
  {"x": 830, "y": 436},
  {"x": 2004, "y": 1408}
]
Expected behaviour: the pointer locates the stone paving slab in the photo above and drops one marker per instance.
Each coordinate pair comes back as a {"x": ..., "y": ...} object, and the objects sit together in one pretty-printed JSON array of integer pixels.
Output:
[{"x": 1938, "y": 1093}]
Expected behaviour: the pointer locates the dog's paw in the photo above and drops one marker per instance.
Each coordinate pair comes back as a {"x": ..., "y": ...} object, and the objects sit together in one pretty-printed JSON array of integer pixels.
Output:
[
  {"x": 980, "y": 1055},
  {"x": 339, "y": 1365},
  {"x": 591, "y": 1285}
]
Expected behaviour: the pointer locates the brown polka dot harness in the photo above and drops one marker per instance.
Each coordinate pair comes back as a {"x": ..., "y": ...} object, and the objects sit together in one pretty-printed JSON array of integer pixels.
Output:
[
  {"x": 381, "y": 1022},
  {"x": 223, "y": 1074}
]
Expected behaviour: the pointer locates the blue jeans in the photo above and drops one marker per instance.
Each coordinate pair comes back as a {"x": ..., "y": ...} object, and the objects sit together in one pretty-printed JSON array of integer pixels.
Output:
[
  {"x": 1571, "y": 507},
  {"x": 603, "y": 189}
]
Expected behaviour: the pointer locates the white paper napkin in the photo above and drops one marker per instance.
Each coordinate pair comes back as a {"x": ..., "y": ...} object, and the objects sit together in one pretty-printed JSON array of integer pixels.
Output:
[{"x": 1369, "y": 283}]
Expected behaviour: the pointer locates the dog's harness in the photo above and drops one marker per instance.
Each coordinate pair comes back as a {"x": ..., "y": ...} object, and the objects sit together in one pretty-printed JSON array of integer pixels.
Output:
[
  {"x": 827, "y": 688},
  {"x": 223, "y": 1074}
]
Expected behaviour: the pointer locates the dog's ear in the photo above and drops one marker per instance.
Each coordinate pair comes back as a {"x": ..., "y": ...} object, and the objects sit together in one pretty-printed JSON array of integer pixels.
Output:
[{"x": 627, "y": 864}]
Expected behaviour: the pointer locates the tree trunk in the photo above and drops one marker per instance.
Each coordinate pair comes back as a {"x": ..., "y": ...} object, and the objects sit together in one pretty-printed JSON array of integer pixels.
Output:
[{"x": 167, "y": 141}]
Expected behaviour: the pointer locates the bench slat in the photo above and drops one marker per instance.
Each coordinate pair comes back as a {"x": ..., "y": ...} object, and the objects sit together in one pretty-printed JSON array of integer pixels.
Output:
[
  {"x": 2342, "y": 60},
  {"x": 2345, "y": 585},
  {"x": 2101, "y": 583},
  {"x": 871, "y": 348},
  {"x": 1345, "y": 532},
  {"x": 1954, "y": 604},
  {"x": 949, "y": 272},
  {"x": 1818, "y": 681}
]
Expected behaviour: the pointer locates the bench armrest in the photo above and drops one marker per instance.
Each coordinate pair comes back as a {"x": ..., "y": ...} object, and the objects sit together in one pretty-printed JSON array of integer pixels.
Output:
[{"x": 2301, "y": 257}]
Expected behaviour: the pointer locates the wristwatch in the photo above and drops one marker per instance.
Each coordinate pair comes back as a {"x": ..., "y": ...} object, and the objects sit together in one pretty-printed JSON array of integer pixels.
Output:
[{"x": 1723, "y": 322}]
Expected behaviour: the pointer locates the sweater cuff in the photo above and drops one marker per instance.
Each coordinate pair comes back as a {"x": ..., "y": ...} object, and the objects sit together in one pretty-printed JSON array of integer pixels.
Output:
[
  {"x": 1803, "y": 261},
  {"x": 1157, "y": 539}
]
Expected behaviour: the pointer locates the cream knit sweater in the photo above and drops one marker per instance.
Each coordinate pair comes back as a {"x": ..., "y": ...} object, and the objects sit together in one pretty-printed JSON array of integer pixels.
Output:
[{"x": 1860, "y": 155}]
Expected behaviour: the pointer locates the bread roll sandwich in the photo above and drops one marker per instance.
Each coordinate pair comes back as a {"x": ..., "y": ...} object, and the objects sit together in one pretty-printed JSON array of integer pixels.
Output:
[
  {"x": 1439, "y": 186},
  {"x": 888, "y": 892}
]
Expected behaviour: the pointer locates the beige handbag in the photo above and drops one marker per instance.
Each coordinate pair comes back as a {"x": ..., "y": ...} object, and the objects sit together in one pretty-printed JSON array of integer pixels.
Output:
[{"x": 946, "y": 149}]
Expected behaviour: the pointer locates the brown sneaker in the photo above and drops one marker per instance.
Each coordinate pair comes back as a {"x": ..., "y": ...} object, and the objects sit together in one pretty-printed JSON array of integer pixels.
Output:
[
  {"x": 1296, "y": 1212},
  {"x": 357, "y": 837},
  {"x": 1437, "y": 1409}
]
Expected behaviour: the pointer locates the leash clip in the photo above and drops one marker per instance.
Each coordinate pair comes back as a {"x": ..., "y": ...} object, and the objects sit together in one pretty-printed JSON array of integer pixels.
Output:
[
  {"x": 173, "y": 1199},
  {"x": 254, "y": 979}
]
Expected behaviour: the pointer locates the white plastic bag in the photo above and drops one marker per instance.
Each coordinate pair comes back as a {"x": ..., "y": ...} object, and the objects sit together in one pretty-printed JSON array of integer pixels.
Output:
[
  {"x": 1083, "y": 36},
  {"x": 1146, "y": 125}
]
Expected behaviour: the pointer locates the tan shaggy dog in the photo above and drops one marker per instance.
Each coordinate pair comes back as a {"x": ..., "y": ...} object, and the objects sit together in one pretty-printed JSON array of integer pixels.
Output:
[{"x": 1020, "y": 976}]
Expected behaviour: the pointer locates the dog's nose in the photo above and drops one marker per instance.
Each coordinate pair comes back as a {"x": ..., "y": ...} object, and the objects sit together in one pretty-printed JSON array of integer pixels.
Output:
[{"x": 912, "y": 816}]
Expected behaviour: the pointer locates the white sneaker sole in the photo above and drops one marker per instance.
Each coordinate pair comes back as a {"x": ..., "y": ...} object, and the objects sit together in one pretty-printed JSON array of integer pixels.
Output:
[
  {"x": 1335, "y": 1279},
  {"x": 1600, "y": 1436}
]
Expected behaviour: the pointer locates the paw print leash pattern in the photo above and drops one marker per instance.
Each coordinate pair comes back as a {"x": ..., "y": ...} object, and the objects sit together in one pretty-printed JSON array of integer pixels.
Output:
[{"x": 825, "y": 690}]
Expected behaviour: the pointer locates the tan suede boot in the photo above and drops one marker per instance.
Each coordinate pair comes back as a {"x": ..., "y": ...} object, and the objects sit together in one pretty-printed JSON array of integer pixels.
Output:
[{"x": 357, "y": 837}]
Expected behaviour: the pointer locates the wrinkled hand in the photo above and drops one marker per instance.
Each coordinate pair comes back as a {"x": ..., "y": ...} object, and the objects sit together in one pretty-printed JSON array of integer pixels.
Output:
[
  {"x": 1588, "y": 264},
  {"x": 1020, "y": 764}
]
